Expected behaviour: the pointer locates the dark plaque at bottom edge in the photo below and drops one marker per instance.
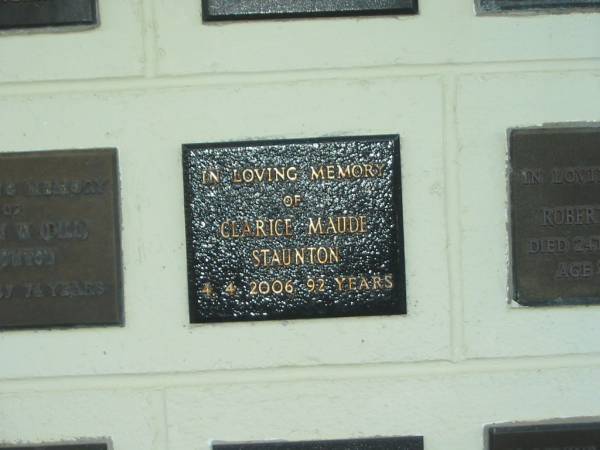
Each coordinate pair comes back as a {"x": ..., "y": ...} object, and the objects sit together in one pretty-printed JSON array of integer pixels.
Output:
[
  {"x": 47, "y": 13},
  {"x": 563, "y": 436},
  {"x": 507, "y": 6},
  {"x": 294, "y": 229},
  {"x": 221, "y": 10},
  {"x": 383, "y": 443},
  {"x": 72, "y": 446}
]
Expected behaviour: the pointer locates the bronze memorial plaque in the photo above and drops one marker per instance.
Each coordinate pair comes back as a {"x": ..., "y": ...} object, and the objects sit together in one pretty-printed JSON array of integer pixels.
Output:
[
  {"x": 60, "y": 252},
  {"x": 15, "y": 14},
  {"x": 376, "y": 443},
  {"x": 294, "y": 229},
  {"x": 563, "y": 436},
  {"x": 555, "y": 215}
]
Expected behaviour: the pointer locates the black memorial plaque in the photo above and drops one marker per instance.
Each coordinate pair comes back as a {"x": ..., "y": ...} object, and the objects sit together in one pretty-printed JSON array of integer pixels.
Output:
[
  {"x": 566, "y": 436},
  {"x": 15, "y": 14},
  {"x": 555, "y": 215},
  {"x": 213, "y": 10},
  {"x": 60, "y": 251},
  {"x": 391, "y": 443},
  {"x": 499, "y": 6},
  {"x": 294, "y": 229},
  {"x": 75, "y": 446}
]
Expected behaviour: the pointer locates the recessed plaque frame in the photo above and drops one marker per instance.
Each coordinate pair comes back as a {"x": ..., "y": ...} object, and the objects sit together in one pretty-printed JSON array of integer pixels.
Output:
[
  {"x": 263, "y": 248},
  {"x": 60, "y": 239},
  {"x": 554, "y": 175},
  {"x": 225, "y": 10},
  {"x": 31, "y": 14},
  {"x": 557, "y": 436},
  {"x": 523, "y": 6},
  {"x": 379, "y": 443}
]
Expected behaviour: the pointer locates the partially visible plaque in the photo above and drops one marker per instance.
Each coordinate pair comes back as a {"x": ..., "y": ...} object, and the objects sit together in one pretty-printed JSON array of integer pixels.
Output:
[
  {"x": 16, "y": 14},
  {"x": 294, "y": 229},
  {"x": 499, "y": 6},
  {"x": 391, "y": 443},
  {"x": 555, "y": 215},
  {"x": 213, "y": 10},
  {"x": 566, "y": 436},
  {"x": 60, "y": 251},
  {"x": 76, "y": 446}
]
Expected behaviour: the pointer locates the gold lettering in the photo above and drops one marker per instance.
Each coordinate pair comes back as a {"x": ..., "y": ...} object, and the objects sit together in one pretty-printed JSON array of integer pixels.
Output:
[
  {"x": 295, "y": 256},
  {"x": 264, "y": 174},
  {"x": 337, "y": 225}
]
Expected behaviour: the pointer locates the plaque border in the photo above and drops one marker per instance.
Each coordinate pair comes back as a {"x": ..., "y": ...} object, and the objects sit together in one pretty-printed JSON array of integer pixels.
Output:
[
  {"x": 398, "y": 267},
  {"x": 411, "y": 9}
]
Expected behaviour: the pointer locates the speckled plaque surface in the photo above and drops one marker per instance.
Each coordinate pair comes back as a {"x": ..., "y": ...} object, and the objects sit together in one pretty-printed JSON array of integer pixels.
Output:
[
  {"x": 59, "y": 447},
  {"x": 271, "y": 9},
  {"x": 294, "y": 229},
  {"x": 391, "y": 443},
  {"x": 15, "y": 14},
  {"x": 499, "y": 6},
  {"x": 60, "y": 251},
  {"x": 566, "y": 436},
  {"x": 555, "y": 215}
]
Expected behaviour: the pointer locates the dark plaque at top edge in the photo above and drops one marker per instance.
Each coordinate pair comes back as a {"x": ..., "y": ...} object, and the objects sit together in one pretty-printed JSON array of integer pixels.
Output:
[
  {"x": 294, "y": 229},
  {"x": 499, "y": 6},
  {"x": 555, "y": 215},
  {"x": 388, "y": 443},
  {"x": 75, "y": 446},
  {"x": 60, "y": 249},
  {"x": 19, "y": 14},
  {"x": 565, "y": 436},
  {"x": 214, "y": 10}
]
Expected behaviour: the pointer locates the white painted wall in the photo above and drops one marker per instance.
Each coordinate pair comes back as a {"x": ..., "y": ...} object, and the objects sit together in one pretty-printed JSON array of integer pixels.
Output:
[{"x": 153, "y": 77}]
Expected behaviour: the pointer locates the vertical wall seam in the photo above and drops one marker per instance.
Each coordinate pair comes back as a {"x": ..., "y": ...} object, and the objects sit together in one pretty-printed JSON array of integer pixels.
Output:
[
  {"x": 149, "y": 38},
  {"x": 165, "y": 419},
  {"x": 452, "y": 214}
]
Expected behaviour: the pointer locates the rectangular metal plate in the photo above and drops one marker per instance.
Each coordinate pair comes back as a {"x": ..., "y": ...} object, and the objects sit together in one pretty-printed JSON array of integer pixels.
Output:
[
  {"x": 16, "y": 14},
  {"x": 571, "y": 436},
  {"x": 59, "y": 447},
  {"x": 294, "y": 229},
  {"x": 555, "y": 215},
  {"x": 391, "y": 443},
  {"x": 269, "y": 9},
  {"x": 60, "y": 250},
  {"x": 499, "y": 6}
]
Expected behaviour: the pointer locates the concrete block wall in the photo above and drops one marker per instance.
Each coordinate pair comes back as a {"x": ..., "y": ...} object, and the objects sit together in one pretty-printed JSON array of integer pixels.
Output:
[{"x": 153, "y": 76}]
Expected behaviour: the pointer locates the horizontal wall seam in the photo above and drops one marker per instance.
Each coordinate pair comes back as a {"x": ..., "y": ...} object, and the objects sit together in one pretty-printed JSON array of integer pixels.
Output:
[
  {"x": 166, "y": 380},
  {"x": 237, "y": 79}
]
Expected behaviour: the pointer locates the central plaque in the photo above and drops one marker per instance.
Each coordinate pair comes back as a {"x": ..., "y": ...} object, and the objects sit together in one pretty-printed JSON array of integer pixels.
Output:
[
  {"x": 213, "y": 10},
  {"x": 294, "y": 229},
  {"x": 555, "y": 215},
  {"x": 60, "y": 249},
  {"x": 391, "y": 443},
  {"x": 565, "y": 436}
]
